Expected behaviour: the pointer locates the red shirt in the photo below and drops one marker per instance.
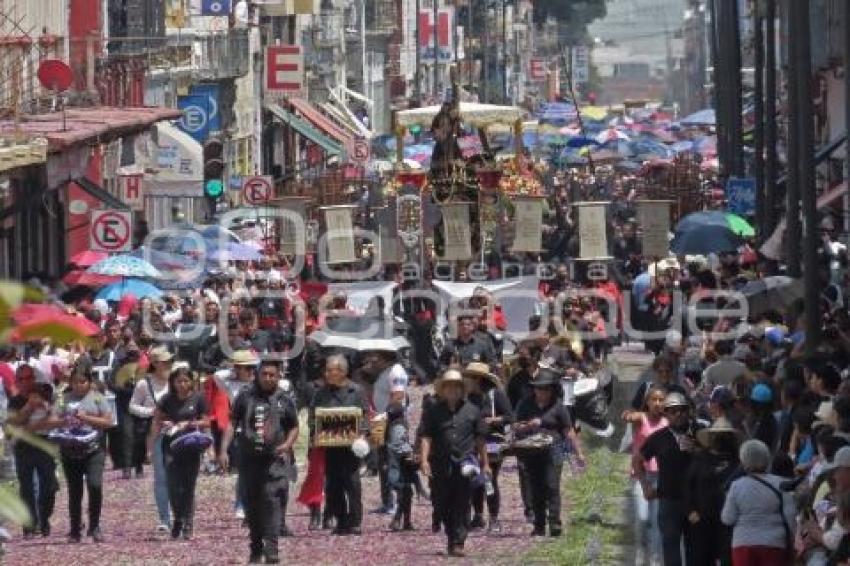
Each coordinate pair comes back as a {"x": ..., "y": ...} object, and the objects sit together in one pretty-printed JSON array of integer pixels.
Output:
[{"x": 8, "y": 376}]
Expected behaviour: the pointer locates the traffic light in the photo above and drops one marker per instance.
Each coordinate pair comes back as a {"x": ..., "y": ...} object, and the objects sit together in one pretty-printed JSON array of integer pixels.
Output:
[{"x": 213, "y": 168}]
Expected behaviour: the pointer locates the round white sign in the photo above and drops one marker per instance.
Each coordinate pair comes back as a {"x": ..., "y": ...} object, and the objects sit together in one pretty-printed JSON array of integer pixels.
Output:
[{"x": 78, "y": 207}]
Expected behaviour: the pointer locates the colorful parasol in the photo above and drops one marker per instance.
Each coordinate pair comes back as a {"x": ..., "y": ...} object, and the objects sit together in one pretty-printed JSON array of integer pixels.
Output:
[{"x": 125, "y": 266}]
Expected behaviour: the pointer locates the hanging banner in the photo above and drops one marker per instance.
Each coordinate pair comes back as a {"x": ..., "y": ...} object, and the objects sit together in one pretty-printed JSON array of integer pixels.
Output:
[
  {"x": 592, "y": 230},
  {"x": 340, "y": 235},
  {"x": 457, "y": 232},
  {"x": 654, "y": 220},
  {"x": 293, "y": 233},
  {"x": 528, "y": 222}
]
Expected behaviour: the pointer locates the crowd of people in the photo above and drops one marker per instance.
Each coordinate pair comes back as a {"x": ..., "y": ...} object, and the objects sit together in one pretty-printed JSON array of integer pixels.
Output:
[
  {"x": 178, "y": 408},
  {"x": 740, "y": 437}
]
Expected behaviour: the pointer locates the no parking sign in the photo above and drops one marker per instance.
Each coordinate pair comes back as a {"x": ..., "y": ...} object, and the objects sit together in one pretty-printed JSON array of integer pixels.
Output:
[{"x": 111, "y": 231}]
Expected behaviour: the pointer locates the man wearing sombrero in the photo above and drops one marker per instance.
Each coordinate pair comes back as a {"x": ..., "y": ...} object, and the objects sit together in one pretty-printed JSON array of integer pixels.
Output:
[{"x": 453, "y": 455}]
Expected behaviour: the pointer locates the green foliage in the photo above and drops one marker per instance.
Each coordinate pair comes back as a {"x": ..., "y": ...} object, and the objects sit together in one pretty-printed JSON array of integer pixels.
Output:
[
  {"x": 12, "y": 509},
  {"x": 576, "y": 14},
  {"x": 594, "y": 532}
]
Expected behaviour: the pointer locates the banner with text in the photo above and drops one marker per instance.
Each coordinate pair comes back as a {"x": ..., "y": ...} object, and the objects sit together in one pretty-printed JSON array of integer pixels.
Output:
[
  {"x": 654, "y": 220},
  {"x": 457, "y": 233},
  {"x": 340, "y": 234},
  {"x": 292, "y": 239},
  {"x": 528, "y": 221},
  {"x": 592, "y": 230}
]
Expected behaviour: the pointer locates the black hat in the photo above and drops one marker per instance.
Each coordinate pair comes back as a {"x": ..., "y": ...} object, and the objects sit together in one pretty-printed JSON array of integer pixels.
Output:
[{"x": 546, "y": 377}]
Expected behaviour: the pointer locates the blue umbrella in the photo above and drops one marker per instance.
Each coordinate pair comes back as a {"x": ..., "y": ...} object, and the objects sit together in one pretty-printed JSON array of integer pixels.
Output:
[
  {"x": 581, "y": 141},
  {"x": 162, "y": 260},
  {"x": 234, "y": 252},
  {"x": 702, "y": 233},
  {"x": 702, "y": 118},
  {"x": 124, "y": 266},
  {"x": 136, "y": 287},
  {"x": 644, "y": 149},
  {"x": 682, "y": 146},
  {"x": 557, "y": 112}
]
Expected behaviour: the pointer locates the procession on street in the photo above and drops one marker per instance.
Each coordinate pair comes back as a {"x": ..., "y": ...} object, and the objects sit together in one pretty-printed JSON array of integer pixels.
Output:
[{"x": 372, "y": 282}]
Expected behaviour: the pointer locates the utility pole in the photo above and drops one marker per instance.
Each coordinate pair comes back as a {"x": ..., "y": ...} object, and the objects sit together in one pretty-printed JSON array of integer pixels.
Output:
[
  {"x": 467, "y": 39},
  {"x": 758, "y": 64},
  {"x": 485, "y": 56},
  {"x": 504, "y": 52},
  {"x": 808, "y": 196},
  {"x": 417, "y": 77},
  {"x": 436, "y": 89},
  {"x": 366, "y": 72},
  {"x": 736, "y": 95},
  {"x": 847, "y": 94},
  {"x": 717, "y": 69},
  {"x": 794, "y": 231},
  {"x": 770, "y": 136}
]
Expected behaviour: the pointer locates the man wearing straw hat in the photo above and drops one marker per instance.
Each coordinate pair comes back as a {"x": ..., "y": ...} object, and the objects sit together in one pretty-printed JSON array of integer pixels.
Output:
[{"x": 452, "y": 434}]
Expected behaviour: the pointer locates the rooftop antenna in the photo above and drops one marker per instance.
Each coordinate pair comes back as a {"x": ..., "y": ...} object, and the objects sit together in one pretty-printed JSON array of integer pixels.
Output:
[{"x": 57, "y": 77}]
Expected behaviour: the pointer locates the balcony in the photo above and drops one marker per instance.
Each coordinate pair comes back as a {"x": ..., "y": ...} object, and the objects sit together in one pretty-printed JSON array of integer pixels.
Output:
[{"x": 222, "y": 55}]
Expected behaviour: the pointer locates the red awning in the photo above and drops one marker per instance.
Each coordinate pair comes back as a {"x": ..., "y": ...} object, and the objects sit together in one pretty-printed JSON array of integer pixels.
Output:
[
  {"x": 86, "y": 124},
  {"x": 314, "y": 116}
]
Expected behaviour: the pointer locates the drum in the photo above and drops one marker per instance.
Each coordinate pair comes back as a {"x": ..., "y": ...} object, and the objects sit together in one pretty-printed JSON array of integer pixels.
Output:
[
  {"x": 538, "y": 443},
  {"x": 337, "y": 426},
  {"x": 191, "y": 442},
  {"x": 378, "y": 430}
]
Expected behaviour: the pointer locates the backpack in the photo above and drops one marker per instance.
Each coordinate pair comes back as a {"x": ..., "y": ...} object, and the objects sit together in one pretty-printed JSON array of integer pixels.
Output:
[{"x": 263, "y": 442}]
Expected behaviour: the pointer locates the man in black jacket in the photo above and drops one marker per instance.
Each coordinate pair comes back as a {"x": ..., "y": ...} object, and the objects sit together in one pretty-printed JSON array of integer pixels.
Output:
[
  {"x": 268, "y": 428},
  {"x": 342, "y": 466},
  {"x": 452, "y": 434}
]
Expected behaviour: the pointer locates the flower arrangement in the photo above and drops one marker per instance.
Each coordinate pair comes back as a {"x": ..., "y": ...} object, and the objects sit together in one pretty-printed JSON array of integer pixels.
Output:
[{"x": 519, "y": 181}]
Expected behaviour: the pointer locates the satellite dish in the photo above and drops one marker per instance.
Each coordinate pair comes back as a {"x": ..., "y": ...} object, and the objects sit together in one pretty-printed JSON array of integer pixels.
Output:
[{"x": 55, "y": 75}]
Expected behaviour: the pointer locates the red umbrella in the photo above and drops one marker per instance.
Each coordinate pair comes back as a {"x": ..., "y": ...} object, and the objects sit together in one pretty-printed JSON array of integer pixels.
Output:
[
  {"x": 33, "y": 311},
  {"x": 48, "y": 321},
  {"x": 87, "y": 279},
  {"x": 88, "y": 258}
]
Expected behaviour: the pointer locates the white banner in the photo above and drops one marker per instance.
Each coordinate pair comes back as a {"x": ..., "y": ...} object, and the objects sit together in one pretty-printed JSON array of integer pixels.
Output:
[
  {"x": 592, "y": 230},
  {"x": 340, "y": 235},
  {"x": 293, "y": 240},
  {"x": 457, "y": 232},
  {"x": 528, "y": 221},
  {"x": 654, "y": 220}
]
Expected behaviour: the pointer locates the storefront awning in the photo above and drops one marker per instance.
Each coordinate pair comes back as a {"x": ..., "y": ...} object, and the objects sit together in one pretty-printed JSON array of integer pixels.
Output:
[
  {"x": 97, "y": 124},
  {"x": 101, "y": 194},
  {"x": 341, "y": 119},
  {"x": 340, "y": 98},
  {"x": 305, "y": 129},
  {"x": 315, "y": 117}
]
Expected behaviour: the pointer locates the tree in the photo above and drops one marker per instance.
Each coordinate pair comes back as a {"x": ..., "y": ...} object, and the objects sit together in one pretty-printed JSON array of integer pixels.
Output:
[{"x": 575, "y": 14}]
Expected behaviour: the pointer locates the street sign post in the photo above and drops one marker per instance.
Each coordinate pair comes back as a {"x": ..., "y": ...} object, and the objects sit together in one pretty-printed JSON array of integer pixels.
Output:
[
  {"x": 257, "y": 190},
  {"x": 111, "y": 230},
  {"x": 741, "y": 196},
  {"x": 284, "y": 70}
]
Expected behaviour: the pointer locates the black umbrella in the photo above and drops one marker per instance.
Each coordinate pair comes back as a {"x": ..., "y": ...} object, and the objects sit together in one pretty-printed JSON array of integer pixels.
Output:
[{"x": 772, "y": 293}]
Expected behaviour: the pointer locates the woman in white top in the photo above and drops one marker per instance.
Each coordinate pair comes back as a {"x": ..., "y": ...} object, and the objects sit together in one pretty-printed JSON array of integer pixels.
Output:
[
  {"x": 761, "y": 515},
  {"x": 146, "y": 395}
]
